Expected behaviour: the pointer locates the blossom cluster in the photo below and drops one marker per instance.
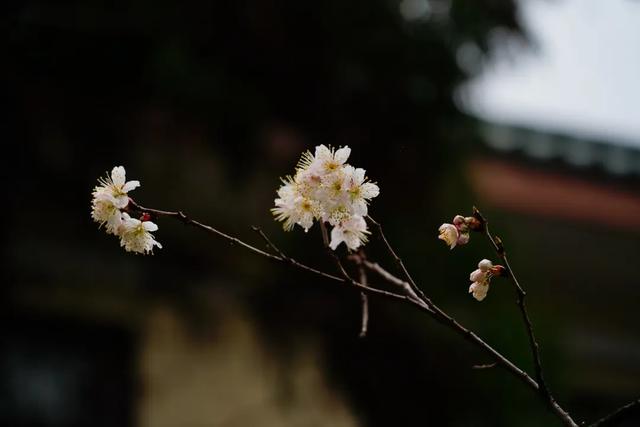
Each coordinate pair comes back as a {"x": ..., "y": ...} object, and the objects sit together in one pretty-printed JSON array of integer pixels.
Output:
[
  {"x": 327, "y": 189},
  {"x": 481, "y": 278},
  {"x": 110, "y": 199},
  {"x": 458, "y": 232}
]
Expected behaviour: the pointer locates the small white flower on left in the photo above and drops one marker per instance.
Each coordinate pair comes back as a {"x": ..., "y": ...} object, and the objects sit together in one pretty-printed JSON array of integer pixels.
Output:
[
  {"x": 109, "y": 199},
  {"x": 135, "y": 235}
]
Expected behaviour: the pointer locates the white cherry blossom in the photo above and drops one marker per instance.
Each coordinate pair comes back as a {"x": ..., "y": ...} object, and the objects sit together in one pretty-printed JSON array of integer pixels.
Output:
[
  {"x": 105, "y": 212},
  {"x": 353, "y": 232},
  {"x": 479, "y": 290},
  {"x": 326, "y": 160},
  {"x": 458, "y": 233},
  {"x": 292, "y": 207},
  {"x": 360, "y": 191},
  {"x": 135, "y": 235},
  {"x": 449, "y": 234}
]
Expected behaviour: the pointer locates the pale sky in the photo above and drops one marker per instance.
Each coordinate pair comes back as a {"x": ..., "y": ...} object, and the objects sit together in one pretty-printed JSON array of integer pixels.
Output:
[{"x": 581, "y": 78}]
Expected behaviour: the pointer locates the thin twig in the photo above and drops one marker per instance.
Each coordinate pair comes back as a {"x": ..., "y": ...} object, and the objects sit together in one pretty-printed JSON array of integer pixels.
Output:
[
  {"x": 485, "y": 366},
  {"x": 398, "y": 260},
  {"x": 234, "y": 240},
  {"x": 270, "y": 243},
  {"x": 364, "y": 326},
  {"x": 521, "y": 294},
  {"x": 618, "y": 415}
]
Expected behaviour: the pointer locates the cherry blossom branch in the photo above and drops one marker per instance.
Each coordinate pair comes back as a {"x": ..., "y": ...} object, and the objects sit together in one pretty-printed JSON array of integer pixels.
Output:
[
  {"x": 498, "y": 246},
  {"x": 443, "y": 317},
  {"x": 425, "y": 304},
  {"x": 422, "y": 303},
  {"x": 618, "y": 415},
  {"x": 179, "y": 215}
]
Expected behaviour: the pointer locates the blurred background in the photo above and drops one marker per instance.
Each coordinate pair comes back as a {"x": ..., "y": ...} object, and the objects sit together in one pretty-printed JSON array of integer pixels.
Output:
[{"x": 527, "y": 109}]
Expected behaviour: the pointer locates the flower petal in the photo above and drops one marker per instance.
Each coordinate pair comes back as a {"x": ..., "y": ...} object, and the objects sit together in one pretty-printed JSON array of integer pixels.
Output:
[
  {"x": 360, "y": 208},
  {"x": 369, "y": 190},
  {"x": 477, "y": 276},
  {"x": 121, "y": 201},
  {"x": 359, "y": 175},
  {"x": 130, "y": 186},
  {"x": 322, "y": 152},
  {"x": 337, "y": 237},
  {"x": 118, "y": 175},
  {"x": 342, "y": 154},
  {"x": 448, "y": 234},
  {"x": 149, "y": 226}
]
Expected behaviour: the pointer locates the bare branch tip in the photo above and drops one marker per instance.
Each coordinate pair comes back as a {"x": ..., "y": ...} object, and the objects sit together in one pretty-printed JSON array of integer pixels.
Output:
[{"x": 485, "y": 366}]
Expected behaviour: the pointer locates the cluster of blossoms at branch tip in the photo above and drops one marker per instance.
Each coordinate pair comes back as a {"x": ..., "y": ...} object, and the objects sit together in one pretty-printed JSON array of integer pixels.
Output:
[
  {"x": 457, "y": 234},
  {"x": 327, "y": 189},
  {"x": 108, "y": 205},
  {"x": 482, "y": 277}
]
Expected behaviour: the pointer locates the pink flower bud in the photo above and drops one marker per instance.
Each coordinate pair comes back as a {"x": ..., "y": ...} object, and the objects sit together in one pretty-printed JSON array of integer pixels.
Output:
[
  {"x": 458, "y": 220},
  {"x": 498, "y": 270},
  {"x": 473, "y": 223}
]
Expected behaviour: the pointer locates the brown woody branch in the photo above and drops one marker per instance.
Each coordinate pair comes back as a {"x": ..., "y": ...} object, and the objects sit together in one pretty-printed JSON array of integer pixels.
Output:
[
  {"x": 365, "y": 304},
  {"x": 521, "y": 294},
  {"x": 542, "y": 387},
  {"x": 498, "y": 246},
  {"x": 279, "y": 258}
]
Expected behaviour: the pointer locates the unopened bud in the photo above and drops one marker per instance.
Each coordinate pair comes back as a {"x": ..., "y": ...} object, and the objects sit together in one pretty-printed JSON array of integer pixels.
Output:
[
  {"x": 474, "y": 223},
  {"x": 498, "y": 270},
  {"x": 458, "y": 220}
]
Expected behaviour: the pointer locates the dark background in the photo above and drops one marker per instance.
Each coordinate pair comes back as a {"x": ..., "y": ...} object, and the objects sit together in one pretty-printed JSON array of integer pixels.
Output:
[{"x": 207, "y": 104}]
